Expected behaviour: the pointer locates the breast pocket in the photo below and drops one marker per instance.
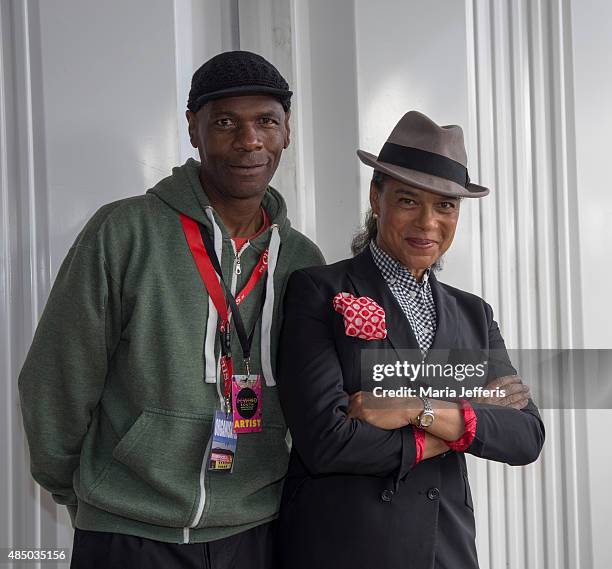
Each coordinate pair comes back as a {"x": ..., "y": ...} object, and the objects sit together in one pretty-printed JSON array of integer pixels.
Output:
[{"x": 356, "y": 359}]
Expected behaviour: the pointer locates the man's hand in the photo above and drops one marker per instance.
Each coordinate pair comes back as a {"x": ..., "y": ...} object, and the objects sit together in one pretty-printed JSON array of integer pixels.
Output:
[
  {"x": 384, "y": 413},
  {"x": 516, "y": 392}
]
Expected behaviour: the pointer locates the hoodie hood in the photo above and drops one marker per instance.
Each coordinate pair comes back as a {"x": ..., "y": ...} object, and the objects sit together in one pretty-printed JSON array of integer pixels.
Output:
[{"x": 183, "y": 192}]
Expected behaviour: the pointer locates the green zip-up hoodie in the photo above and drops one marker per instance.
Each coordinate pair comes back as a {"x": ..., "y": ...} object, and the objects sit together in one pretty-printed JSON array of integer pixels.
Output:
[{"x": 116, "y": 398}]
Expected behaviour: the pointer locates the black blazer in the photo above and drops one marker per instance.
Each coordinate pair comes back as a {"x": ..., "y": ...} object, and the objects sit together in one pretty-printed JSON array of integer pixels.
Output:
[{"x": 352, "y": 498}]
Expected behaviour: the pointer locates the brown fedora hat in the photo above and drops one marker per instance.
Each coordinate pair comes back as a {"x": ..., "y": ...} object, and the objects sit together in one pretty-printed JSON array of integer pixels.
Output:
[{"x": 430, "y": 157}]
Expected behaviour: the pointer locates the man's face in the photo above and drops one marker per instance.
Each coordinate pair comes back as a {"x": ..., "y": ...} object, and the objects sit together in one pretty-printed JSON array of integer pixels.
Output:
[
  {"x": 240, "y": 141},
  {"x": 414, "y": 226}
]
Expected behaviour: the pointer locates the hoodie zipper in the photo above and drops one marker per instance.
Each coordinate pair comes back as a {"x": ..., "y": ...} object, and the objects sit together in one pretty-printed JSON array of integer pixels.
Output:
[
  {"x": 237, "y": 266},
  {"x": 236, "y": 270}
]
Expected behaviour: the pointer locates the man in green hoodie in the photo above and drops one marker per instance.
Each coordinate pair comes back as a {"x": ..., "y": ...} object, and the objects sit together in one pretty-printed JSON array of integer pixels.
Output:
[{"x": 134, "y": 388}]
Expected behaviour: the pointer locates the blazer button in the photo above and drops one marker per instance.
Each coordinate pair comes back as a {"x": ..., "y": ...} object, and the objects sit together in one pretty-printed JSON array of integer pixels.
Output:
[
  {"x": 433, "y": 493},
  {"x": 386, "y": 495}
]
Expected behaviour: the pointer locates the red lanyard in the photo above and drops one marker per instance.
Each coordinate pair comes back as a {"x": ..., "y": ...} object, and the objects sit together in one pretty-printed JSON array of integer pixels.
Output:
[{"x": 213, "y": 286}]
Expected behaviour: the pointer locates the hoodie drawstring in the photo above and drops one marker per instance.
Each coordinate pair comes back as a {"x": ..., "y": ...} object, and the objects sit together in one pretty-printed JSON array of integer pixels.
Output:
[
  {"x": 212, "y": 365},
  {"x": 268, "y": 309},
  {"x": 211, "y": 325}
]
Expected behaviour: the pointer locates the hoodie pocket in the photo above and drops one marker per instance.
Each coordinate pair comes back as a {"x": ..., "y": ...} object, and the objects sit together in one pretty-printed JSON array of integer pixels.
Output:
[
  {"x": 253, "y": 491},
  {"x": 155, "y": 471}
]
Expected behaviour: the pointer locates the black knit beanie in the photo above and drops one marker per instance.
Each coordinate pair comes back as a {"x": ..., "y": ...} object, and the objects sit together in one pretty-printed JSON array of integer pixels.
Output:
[{"x": 237, "y": 73}]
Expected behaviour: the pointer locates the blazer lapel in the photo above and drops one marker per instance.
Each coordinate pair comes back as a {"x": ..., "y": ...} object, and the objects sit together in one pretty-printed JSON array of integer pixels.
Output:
[
  {"x": 447, "y": 325},
  {"x": 368, "y": 281}
]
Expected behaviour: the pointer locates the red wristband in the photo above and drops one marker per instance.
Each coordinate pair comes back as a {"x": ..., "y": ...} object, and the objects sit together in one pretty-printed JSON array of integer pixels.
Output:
[
  {"x": 469, "y": 418},
  {"x": 419, "y": 441}
]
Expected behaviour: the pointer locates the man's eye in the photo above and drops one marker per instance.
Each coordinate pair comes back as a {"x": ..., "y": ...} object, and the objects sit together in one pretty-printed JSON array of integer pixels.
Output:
[
  {"x": 224, "y": 122},
  {"x": 268, "y": 121}
]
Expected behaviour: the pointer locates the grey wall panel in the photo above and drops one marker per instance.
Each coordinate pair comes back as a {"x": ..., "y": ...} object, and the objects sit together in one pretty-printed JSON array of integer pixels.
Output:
[
  {"x": 538, "y": 516},
  {"x": 88, "y": 108},
  {"x": 592, "y": 44},
  {"x": 333, "y": 77}
]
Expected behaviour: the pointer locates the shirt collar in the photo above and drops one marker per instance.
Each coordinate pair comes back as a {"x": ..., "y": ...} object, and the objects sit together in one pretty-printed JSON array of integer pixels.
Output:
[{"x": 393, "y": 271}]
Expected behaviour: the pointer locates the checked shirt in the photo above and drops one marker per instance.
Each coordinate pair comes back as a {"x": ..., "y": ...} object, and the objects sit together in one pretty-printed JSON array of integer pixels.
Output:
[{"x": 415, "y": 298}]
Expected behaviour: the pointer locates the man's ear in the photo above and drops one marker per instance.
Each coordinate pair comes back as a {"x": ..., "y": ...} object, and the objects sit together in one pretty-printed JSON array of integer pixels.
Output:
[
  {"x": 192, "y": 127},
  {"x": 287, "y": 129}
]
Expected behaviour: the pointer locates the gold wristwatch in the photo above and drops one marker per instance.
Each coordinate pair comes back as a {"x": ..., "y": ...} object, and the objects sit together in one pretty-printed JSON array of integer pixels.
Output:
[{"x": 426, "y": 417}]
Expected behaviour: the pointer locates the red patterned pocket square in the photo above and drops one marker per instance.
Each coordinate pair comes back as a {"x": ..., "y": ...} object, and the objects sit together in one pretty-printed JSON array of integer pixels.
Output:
[{"x": 363, "y": 317}]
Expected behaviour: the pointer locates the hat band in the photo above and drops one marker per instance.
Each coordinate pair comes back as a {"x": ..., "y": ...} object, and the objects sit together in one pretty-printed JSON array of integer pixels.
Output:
[{"x": 424, "y": 161}]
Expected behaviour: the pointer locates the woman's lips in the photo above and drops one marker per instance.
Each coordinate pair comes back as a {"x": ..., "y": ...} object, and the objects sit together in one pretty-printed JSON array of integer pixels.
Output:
[{"x": 420, "y": 243}]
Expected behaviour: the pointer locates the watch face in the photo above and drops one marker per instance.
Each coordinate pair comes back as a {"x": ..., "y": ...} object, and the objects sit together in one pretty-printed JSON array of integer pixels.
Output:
[{"x": 426, "y": 419}]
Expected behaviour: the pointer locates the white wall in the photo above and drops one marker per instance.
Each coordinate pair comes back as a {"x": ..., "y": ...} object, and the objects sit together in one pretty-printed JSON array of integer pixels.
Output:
[
  {"x": 592, "y": 82},
  {"x": 592, "y": 45},
  {"x": 110, "y": 120}
]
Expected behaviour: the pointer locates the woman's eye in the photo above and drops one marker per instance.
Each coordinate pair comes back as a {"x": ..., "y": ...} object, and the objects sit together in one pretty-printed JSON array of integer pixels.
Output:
[
  {"x": 447, "y": 205},
  {"x": 407, "y": 201}
]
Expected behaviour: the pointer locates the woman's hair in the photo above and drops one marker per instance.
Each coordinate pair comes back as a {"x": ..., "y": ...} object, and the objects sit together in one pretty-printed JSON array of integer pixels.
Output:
[{"x": 368, "y": 232}]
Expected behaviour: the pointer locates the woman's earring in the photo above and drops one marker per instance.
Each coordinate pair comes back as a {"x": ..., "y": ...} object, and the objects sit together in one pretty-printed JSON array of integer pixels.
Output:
[{"x": 375, "y": 216}]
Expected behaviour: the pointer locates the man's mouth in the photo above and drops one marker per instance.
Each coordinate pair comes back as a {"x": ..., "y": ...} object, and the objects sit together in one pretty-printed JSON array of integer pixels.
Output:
[{"x": 248, "y": 169}]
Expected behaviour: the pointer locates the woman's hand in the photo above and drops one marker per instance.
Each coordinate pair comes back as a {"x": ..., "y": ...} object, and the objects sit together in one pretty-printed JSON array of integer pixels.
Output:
[
  {"x": 516, "y": 392},
  {"x": 384, "y": 413},
  {"x": 365, "y": 406},
  {"x": 433, "y": 446}
]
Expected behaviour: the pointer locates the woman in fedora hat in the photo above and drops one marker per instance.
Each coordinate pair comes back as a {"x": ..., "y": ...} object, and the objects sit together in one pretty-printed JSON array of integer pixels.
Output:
[{"x": 377, "y": 475}]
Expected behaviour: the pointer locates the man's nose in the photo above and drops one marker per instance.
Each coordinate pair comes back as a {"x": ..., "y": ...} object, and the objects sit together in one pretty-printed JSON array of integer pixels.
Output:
[{"x": 248, "y": 138}]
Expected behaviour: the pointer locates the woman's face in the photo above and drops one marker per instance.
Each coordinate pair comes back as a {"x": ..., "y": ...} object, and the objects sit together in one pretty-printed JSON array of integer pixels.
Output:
[{"x": 414, "y": 226}]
